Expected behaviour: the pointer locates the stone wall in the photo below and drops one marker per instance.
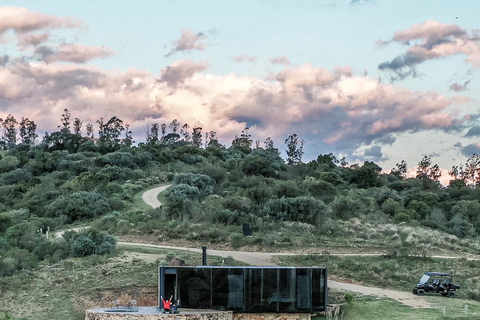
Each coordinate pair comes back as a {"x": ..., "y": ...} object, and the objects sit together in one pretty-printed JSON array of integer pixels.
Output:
[
  {"x": 92, "y": 315},
  {"x": 272, "y": 316}
]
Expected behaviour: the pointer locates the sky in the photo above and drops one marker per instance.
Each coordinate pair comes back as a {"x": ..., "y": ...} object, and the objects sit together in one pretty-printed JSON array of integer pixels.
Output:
[{"x": 367, "y": 80}]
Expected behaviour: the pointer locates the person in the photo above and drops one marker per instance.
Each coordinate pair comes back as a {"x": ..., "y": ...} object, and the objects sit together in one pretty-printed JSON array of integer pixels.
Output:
[{"x": 167, "y": 305}]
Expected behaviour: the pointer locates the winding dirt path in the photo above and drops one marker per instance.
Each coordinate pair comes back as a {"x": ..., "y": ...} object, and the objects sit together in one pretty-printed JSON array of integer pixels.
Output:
[{"x": 150, "y": 197}]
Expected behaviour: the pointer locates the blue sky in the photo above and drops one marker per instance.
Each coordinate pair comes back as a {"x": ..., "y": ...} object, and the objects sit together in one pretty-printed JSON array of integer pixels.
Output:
[{"x": 210, "y": 88}]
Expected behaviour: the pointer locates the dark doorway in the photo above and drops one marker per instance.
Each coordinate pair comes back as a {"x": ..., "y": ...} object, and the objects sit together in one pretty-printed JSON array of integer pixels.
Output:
[{"x": 171, "y": 286}]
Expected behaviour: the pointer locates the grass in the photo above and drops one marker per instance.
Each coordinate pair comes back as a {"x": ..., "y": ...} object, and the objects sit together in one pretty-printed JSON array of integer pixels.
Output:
[
  {"x": 381, "y": 308},
  {"x": 65, "y": 290},
  {"x": 400, "y": 273}
]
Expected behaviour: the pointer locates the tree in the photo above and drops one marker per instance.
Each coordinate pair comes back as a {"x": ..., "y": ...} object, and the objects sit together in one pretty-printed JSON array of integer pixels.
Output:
[
  {"x": 89, "y": 128},
  {"x": 471, "y": 173},
  {"x": 211, "y": 137},
  {"x": 27, "y": 131},
  {"x": 435, "y": 173},
  {"x": 197, "y": 136},
  {"x": 65, "y": 127},
  {"x": 77, "y": 126},
  {"x": 152, "y": 134},
  {"x": 400, "y": 170},
  {"x": 244, "y": 142},
  {"x": 9, "y": 125},
  {"x": 268, "y": 143},
  {"x": 294, "y": 149},
  {"x": 423, "y": 166},
  {"x": 174, "y": 125},
  {"x": 128, "y": 141},
  {"x": 185, "y": 131}
]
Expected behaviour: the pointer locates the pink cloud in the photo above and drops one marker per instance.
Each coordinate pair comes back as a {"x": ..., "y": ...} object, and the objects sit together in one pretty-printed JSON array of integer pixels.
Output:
[
  {"x": 243, "y": 58},
  {"x": 32, "y": 39},
  {"x": 188, "y": 41},
  {"x": 332, "y": 106},
  {"x": 281, "y": 60},
  {"x": 77, "y": 53},
  {"x": 22, "y": 20},
  {"x": 432, "y": 40}
]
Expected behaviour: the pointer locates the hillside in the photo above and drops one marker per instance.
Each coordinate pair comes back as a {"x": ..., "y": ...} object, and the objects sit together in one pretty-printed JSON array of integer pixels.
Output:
[{"x": 320, "y": 207}]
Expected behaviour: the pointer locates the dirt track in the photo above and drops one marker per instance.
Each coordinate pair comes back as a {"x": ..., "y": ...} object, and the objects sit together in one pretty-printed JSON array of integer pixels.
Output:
[
  {"x": 267, "y": 259},
  {"x": 150, "y": 197}
]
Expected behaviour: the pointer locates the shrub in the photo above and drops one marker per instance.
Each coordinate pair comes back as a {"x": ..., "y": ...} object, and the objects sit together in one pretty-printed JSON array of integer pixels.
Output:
[
  {"x": 202, "y": 182},
  {"x": 79, "y": 205},
  {"x": 302, "y": 209},
  {"x": 91, "y": 242}
]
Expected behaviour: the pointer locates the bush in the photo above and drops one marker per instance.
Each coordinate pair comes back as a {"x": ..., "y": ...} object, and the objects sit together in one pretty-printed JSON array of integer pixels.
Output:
[
  {"x": 79, "y": 205},
  {"x": 91, "y": 242},
  {"x": 202, "y": 182},
  {"x": 302, "y": 209}
]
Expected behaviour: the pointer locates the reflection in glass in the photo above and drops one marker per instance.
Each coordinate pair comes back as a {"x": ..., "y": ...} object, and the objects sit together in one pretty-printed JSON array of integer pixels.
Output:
[{"x": 246, "y": 289}]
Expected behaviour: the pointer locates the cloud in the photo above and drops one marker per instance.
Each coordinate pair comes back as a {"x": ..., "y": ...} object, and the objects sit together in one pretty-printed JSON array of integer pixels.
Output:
[
  {"x": 32, "y": 39},
  {"x": 473, "y": 148},
  {"x": 281, "y": 60},
  {"x": 77, "y": 53},
  {"x": 4, "y": 60},
  {"x": 459, "y": 87},
  {"x": 22, "y": 20},
  {"x": 473, "y": 132},
  {"x": 431, "y": 40},
  {"x": 188, "y": 41},
  {"x": 374, "y": 154},
  {"x": 180, "y": 70},
  {"x": 386, "y": 139},
  {"x": 243, "y": 58},
  {"x": 334, "y": 110}
]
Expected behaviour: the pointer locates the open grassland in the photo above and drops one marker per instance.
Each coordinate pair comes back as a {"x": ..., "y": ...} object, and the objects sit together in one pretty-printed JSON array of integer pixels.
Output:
[
  {"x": 400, "y": 273},
  {"x": 65, "y": 290}
]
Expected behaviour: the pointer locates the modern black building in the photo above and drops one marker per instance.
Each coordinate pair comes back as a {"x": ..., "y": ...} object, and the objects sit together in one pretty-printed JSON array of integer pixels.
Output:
[{"x": 246, "y": 289}]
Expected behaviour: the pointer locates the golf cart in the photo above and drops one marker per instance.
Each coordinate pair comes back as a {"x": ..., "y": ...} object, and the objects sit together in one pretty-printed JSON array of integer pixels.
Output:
[{"x": 436, "y": 282}]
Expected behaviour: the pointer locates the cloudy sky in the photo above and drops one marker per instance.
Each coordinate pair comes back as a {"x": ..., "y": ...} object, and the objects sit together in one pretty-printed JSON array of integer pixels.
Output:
[{"x": 369, "y": 80}]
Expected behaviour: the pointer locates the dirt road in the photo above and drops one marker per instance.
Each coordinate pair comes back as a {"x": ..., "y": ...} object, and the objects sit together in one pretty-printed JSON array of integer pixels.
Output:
[{"x": 150, "y": 197}]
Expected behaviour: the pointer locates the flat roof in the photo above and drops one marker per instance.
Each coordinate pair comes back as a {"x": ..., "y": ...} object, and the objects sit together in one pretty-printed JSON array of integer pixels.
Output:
[{"x": 239, "y": 267}]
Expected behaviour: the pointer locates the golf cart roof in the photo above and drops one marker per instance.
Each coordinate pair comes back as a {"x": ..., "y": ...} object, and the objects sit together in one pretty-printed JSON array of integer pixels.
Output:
[{"x": 438, "y": 274}]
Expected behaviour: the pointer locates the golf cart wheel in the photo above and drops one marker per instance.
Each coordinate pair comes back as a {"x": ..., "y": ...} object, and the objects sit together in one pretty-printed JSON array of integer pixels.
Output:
[
  {"x": 450, "y": 294},
  {"x": 421, "y": 292}
]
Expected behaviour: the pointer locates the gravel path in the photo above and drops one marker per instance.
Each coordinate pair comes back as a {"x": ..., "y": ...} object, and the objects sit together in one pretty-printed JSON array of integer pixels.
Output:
[{"x": 150, "y": 197}]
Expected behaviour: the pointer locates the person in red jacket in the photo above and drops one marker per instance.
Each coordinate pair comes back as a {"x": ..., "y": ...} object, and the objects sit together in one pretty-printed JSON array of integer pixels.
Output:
[{"x": 167, "y": 305}]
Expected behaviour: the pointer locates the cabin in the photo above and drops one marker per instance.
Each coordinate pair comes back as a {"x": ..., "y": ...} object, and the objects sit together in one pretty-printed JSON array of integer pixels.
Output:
[{"x": 245, "y": 289}]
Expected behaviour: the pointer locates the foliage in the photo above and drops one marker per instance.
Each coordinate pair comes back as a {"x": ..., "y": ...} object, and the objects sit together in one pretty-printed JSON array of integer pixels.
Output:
[
  {"x": 91, "y": 242},
  {"x": 79, "y": 205}
]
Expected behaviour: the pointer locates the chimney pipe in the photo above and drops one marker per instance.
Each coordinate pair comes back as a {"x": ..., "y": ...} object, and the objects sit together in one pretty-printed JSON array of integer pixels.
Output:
[{"x": 204, "y": 256}]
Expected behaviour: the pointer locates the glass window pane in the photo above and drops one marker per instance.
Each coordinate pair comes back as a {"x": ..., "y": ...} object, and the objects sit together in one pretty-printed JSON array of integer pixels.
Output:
[
  {"x": 220, "y": 288},
  {"x": 236, "y": 294},
  {"x": 318, "y": 289},
  {"x": 254, "y": 290},
  {"x": 286, "y": 290},
  {"x": 194, "y": 288},
  {"x": 270, "y": 290},
  {"x": 304, "y": 290}
]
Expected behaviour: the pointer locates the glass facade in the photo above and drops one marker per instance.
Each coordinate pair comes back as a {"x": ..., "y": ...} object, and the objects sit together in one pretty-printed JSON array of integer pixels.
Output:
[{"x": 246, "y": 289}]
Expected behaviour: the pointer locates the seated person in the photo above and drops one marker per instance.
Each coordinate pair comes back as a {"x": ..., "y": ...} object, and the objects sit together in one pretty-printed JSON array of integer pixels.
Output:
[{"x": 167, "y": 305}]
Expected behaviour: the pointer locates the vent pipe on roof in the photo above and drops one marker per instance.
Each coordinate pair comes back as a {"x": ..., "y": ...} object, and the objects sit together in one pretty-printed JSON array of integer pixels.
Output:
[{"x": 204, "y": 256}]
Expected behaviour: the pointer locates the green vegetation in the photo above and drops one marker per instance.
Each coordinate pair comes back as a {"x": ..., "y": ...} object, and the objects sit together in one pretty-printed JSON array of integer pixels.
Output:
[{"x": 323, "y": 205}]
